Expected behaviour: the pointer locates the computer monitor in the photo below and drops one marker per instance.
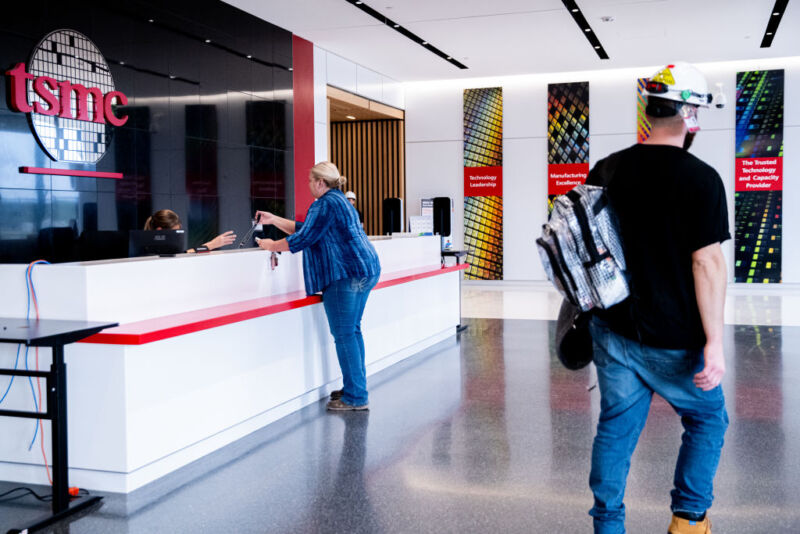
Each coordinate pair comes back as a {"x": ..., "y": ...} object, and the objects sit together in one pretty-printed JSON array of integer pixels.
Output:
[
  {"x": 103, "y": 244},
  {"x": 156, "y": 242}
]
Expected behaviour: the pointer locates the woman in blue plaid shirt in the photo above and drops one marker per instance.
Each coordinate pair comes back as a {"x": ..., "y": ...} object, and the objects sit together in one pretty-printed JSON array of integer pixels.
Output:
[{"x": 339, "y": 261}]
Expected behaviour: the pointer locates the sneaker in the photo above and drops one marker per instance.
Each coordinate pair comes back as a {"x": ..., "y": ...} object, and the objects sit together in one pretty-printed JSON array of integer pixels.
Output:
[
  {"x": 337, "y": 394},
  {"x": 338, "y": 405},
  {"x": 680, "y": 525}
]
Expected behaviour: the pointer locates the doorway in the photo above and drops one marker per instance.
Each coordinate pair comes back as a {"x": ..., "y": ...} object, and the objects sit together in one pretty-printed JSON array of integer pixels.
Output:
[{"x": 367, "y": 144}]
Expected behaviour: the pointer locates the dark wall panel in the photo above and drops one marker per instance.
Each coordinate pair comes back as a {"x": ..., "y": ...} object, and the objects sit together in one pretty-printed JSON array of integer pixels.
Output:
[{"x": 209, "y": 135}]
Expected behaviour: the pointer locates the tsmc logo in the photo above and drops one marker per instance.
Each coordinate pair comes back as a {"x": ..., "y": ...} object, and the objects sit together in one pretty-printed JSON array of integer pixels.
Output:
[
  {"x": 58, "y": 96},
  {"x": 69, "y": 92}
]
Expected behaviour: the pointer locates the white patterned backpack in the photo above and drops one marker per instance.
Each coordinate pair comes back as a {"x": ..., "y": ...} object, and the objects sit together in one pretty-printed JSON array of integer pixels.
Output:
[{"x": 581, "y": 250}]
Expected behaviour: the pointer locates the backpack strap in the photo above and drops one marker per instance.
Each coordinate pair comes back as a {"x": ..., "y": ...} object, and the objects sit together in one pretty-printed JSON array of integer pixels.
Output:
[{"x": 586, "y": 230}]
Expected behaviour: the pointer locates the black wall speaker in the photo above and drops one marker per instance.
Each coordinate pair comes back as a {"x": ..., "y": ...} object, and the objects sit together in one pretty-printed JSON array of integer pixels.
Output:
[
  {"x": 441, "y": 216},
  {"x": 392, "y": 215}
]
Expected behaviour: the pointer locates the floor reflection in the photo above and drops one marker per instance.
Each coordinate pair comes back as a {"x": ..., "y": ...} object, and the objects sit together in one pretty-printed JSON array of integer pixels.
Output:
[
  {"x": 342, "y": 504},
  {"x": 488, "y": 435}
]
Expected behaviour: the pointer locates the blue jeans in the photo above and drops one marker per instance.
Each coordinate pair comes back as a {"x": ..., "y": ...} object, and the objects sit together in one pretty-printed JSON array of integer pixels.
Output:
[
  {"x": 344, "y": 302},
  {"x": 628, "y": 374}
]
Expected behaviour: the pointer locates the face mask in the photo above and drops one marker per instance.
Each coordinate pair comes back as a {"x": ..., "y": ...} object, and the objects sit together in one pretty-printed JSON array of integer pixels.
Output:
[{"x": 689, "y": 116}]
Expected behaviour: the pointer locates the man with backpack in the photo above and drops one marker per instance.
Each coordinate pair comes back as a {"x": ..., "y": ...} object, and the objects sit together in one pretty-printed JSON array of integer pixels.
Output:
[{"x": 665, "y": 338}]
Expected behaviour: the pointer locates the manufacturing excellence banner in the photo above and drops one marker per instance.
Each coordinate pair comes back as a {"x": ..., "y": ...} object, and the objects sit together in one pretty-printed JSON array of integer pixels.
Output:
[
  {"x": 642, "y": 124},
  {"x": 567, "y": 137},
  {"x": 483, "y": 183},
  {"x": 759, "y": 176}
]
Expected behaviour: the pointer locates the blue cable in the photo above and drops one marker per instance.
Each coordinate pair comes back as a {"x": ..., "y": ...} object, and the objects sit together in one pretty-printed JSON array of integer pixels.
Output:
[
  {"x": 16, "y": 362},
  {"x": 35, "y": 402}
]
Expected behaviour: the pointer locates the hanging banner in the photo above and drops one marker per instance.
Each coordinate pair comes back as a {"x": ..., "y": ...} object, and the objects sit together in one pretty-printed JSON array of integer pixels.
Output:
[
  {"x": 759, "y": 176},
  {"x": 642, "y": 124},
  {"x": 483, "y": 183},
  {"x": 567, "y": 137}
]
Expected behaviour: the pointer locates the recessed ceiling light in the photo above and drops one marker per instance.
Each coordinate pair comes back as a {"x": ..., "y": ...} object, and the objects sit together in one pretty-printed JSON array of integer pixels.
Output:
[
  {"x": 575, "y": 10},
  {"x": 171, "y": 77},
  {"x": 403, "y": 30},
  {"x": 208, "y": 41},
  {"x": 350, "y": 117},
  {"x": 449, "y": 58},
  {"x": 769, "y": 33},
  {"x": 597, "y": 47},
  {"x": 121, "y": 62},
  {"x": 249, "y": 56},
  {"x": 150, "y": 20},
  {"x": 587, "y": 29},
  {"x": 776, "y": 13},
  {"x": 291, "y": 68}
]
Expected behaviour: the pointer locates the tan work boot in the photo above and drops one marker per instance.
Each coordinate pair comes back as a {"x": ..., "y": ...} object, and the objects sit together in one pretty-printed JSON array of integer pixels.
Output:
[{"x": 680, "y": 525}]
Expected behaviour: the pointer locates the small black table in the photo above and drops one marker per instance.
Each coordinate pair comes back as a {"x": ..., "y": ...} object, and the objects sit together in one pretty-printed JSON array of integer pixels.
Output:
[
  {"x": 458, "y": 255},
  {"x": 51, "y": 333}
]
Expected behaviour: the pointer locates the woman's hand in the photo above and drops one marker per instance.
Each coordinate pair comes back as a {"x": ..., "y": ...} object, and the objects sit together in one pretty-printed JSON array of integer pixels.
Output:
[
  {"x": 273, "y": 246},
  {"x": 221, "y": 240},
  {"x": 265, "y": 217},
  {"x": 266, "y": 244}
]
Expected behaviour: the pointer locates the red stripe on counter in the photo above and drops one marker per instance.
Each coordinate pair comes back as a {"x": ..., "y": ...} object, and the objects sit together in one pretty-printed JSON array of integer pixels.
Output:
[
  {"x": 403, "y": 277},
  {"x": 70, "y": 172},
  {"x": 179, "y": 324}
]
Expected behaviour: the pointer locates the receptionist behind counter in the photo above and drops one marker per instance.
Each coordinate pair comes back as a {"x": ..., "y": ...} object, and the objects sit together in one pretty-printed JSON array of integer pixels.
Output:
[{"x": 169, "y": 220}]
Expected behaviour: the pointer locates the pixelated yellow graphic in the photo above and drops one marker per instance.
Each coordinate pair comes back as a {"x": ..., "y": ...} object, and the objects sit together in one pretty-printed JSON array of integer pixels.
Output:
[{"x": 483, "y": 216}]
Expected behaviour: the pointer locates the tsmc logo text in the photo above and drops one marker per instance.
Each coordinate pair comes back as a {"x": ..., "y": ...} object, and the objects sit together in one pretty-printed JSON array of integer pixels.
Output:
[{"x": 58, "y": 94}]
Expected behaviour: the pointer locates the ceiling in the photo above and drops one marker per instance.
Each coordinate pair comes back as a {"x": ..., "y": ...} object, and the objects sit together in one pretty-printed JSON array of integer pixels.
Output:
[{"x": 507, "y": 37}]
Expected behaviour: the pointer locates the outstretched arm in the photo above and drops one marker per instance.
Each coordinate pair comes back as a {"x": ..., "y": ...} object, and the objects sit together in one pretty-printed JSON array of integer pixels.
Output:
[
  {"x": 222, "y": 240},
  {"x": 284, "y": 225}
]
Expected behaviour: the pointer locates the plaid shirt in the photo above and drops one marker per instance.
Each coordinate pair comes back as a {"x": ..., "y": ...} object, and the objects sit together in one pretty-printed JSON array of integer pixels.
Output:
[{"x": 333, "y": 242}]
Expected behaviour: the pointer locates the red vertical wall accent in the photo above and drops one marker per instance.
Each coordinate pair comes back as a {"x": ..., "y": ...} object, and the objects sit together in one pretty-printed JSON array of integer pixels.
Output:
[{"x": 303, "y": 83}]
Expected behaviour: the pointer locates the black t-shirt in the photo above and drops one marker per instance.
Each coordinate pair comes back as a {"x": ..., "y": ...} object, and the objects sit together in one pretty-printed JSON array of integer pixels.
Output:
[{"x": 669, "y": 204}]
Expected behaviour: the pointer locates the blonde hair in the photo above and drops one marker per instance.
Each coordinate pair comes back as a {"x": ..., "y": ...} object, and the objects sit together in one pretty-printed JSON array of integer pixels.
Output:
[
  {"x": 327, "y": 171},
  {"x": 164, "y": 219}
]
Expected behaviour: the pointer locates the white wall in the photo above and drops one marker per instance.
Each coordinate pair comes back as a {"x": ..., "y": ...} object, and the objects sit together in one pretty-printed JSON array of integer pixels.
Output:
[
  {"x": 330, "y": 69},
  {"x": 434, "y": 148}
]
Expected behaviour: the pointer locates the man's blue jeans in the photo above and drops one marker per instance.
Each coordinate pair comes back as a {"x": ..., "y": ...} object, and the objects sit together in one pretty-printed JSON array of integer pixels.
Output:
[
  {"x": 344, "y": 302},
  {"x": 628, "y": 374}
]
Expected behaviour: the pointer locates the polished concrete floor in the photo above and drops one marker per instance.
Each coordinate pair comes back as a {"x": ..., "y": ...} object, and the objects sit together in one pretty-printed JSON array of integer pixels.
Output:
[{"x": 486, "y": 434}]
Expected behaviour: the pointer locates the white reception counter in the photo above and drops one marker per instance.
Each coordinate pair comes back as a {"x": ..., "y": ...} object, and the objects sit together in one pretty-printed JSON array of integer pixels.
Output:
[{"x": 210, "y": 347}]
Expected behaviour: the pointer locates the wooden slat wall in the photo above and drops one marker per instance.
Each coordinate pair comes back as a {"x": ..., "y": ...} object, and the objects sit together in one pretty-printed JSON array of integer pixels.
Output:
[{"x": 371, "y": 154}]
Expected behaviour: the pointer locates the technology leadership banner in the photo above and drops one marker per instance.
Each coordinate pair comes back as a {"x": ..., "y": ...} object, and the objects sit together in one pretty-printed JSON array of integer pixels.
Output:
[
  {"x": 759, "y": 176},
  {"x": 483, "y": 183},
  {"x": 567, "y": 137}
]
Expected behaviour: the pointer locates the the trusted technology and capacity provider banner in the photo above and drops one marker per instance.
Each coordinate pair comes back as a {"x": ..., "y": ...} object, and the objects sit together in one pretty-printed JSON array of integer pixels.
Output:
[
  {"x": 759, "y": 176},
  {"x": 567, "y": 137},
  {"x": 483, "y": 183}
]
